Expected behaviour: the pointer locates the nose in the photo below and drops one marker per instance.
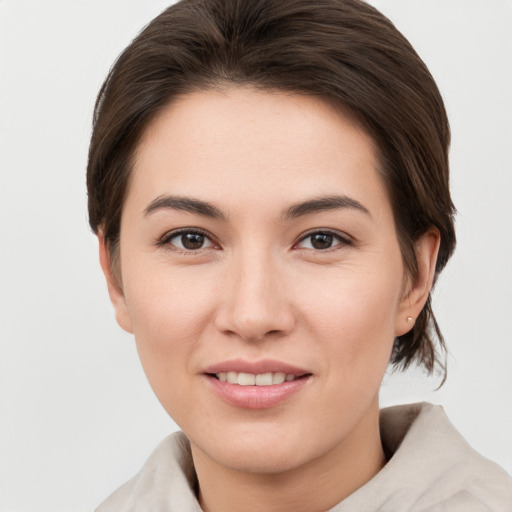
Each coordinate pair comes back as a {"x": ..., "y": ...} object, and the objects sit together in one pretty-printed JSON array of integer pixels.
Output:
[{"x": 255, "y": 304}]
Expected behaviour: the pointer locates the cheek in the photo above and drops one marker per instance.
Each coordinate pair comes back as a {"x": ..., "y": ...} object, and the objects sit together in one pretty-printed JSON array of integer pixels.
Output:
[
  {"x": 160, "y": 296},
  {"x": 354, "y": 317},
  {"x": 169, "y": 310}
]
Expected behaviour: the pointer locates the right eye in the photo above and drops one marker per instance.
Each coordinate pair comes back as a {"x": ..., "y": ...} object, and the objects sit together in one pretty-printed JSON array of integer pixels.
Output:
[{"x": 187, "y": 240}]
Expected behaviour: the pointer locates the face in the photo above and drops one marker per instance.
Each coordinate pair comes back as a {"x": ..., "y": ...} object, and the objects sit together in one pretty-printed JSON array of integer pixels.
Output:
[{"x": 261, "y": 275}]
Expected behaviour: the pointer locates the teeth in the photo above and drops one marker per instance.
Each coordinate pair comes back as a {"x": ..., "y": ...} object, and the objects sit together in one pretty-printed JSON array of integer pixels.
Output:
[
  {"x": 246, "y": 379},
  {"x": 279, "y": 378},
  {"x": 249, "y": 379},
  {"x": 263, "y": 379}
]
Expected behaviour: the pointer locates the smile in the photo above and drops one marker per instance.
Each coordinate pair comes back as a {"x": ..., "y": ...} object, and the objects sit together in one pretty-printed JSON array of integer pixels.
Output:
[
  {"x": 256, "y": 385},
  {"x": 251, "y": 379}
]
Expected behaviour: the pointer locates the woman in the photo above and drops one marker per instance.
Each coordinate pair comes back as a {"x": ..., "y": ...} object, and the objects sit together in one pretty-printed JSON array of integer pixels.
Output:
[{"x": 269, "y": 185}]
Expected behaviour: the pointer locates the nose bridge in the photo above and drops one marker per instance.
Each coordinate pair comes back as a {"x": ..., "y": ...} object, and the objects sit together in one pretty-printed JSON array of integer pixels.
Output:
[{"x": 257, "y": 305}]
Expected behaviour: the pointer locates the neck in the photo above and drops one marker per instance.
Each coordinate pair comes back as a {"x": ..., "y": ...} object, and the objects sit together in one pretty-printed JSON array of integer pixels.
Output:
[{"x": 316, "y": 486}]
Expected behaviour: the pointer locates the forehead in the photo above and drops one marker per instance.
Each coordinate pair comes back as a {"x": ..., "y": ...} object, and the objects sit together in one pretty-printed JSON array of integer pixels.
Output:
[{"x": 237, "y": 143}]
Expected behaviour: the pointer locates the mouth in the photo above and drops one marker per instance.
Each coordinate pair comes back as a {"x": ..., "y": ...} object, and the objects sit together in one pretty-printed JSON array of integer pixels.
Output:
[
  {"x": 259, "y": 379},
  {"x": 259, "y": 385}
]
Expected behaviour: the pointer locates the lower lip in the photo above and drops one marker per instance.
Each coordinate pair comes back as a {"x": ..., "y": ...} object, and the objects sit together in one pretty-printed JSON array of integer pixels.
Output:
[{"x": 256, "y": 397}]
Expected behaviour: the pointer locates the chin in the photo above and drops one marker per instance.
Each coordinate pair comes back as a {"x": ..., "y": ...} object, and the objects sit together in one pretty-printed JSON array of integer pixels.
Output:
[
  {"x": 273, "y": 451},
  {"x": 264, "y": 461}
]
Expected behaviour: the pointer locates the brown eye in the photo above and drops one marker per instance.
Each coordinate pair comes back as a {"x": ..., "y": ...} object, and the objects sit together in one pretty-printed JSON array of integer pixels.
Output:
[
  {"x": 188, "y": 241},
  {"x": 192, "y": 241},
  {"x": 322, "y": 240}
]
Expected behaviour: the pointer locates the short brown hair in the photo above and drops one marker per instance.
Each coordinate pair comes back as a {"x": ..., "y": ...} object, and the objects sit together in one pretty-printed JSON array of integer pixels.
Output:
[{"x": 343, "y": 51}]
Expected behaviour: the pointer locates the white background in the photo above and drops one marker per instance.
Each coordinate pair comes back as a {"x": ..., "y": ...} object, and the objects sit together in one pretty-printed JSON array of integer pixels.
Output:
[{"x": 77, "y": 417}]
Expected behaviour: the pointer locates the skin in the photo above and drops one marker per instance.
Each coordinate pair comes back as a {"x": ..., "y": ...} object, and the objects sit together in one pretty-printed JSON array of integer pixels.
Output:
[{"x": 258, "y": 289}]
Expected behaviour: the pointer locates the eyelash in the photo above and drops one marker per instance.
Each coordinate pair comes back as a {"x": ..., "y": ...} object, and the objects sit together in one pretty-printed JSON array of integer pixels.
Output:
[
  {"x": 166, "y": 240},
  {"x": 342, "y": 240}
]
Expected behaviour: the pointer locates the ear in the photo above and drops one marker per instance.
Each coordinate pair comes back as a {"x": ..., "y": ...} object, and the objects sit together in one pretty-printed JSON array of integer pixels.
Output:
[
  {"x": 115, "y": 289},
  {"x": 416, "y": 293}
]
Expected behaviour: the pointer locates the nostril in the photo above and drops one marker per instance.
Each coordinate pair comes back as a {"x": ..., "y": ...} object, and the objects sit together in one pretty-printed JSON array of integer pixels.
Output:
[{"x": 254, "y": 318}]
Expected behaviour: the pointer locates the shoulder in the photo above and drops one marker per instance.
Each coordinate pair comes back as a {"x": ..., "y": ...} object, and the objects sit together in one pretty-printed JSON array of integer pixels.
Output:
[
  {"x": 431, "y": 468},
  {"x": 165, "y": 482},
  {"x": 444, "y": 472}
]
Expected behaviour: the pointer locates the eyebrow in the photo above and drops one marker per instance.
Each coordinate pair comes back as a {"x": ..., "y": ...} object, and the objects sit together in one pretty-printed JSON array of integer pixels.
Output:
[
  {"x": 187, "y": 204},
  {"x": 319, "y": 204},
  {"x": 335, "y": 202}
]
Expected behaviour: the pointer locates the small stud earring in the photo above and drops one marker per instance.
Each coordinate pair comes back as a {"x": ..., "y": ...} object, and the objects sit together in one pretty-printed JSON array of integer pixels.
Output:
[{"x": 410, "y": 318}]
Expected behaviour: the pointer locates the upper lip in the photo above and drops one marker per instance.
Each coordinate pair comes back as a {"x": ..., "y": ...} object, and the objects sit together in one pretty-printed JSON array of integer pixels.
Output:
[{"x": 255, "y": 367}]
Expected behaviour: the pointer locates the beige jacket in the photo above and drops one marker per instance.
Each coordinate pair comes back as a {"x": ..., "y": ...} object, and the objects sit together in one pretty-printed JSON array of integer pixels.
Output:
[{"x": 432, "y": 469}]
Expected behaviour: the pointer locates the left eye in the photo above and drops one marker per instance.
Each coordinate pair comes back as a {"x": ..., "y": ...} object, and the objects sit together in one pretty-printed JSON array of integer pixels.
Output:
[
  {"x": 189, "y": 240},
  {"x": 321, "y": 240}
]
